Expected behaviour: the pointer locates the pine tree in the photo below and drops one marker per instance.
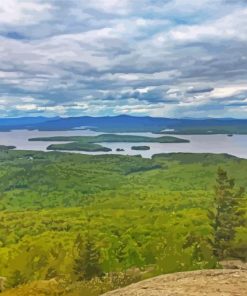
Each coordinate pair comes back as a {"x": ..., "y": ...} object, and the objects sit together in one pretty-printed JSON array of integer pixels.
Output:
[
  {"x": 87, "y": 263},
  {"x": 227, "y": 214}
]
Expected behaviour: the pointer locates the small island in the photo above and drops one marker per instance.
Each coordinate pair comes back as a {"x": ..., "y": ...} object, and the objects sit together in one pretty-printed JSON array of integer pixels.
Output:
[
  {"x": 140, "y": 148},
  {"x": 91, "y": 143},
  {"x": 119, "y": 149},
  {"x": 6, "y": 148},
  {"x": 77, "y": 146}
]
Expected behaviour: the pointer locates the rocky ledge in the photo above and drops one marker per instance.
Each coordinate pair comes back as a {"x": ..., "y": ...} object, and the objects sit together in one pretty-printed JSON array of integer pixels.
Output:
[{"x": 221, "y": 282}]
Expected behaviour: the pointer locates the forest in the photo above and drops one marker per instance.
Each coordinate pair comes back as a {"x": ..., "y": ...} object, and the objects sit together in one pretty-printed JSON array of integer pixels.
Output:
[{"x": 96, "y": 223}]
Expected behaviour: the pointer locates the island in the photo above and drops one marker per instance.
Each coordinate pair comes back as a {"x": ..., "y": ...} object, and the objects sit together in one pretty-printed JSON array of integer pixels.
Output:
[
  {"x": 6, "y": 148},
  {"x": 79, "y": 146},
  {"x": 90, "y": 143},
  {"x": 119, "y": 149},
  {"x": 140, "y": 148}
]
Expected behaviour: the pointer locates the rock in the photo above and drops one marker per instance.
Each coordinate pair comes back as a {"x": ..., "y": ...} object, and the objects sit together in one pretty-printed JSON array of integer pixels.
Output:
[
  {"x": 233, "y": 264},
  {"x": 223, "y": 282}
]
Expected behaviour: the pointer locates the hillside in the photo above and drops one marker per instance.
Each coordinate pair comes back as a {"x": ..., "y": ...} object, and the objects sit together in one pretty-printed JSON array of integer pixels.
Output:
[
  {"x": 133, "y": 214},
  {"x": 197, "y": 283}
]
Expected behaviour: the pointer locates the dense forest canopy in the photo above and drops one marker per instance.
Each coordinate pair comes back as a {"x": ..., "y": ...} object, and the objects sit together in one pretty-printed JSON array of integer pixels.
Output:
[{"x": 126, "y": 217}]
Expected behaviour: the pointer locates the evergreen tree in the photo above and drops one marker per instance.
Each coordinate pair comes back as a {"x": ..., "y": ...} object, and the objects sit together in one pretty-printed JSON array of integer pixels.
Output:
[
  {"x": 227, "y": 214},
  {"x": 16, "y": 279},
  {"x": 87, "y": 263}
]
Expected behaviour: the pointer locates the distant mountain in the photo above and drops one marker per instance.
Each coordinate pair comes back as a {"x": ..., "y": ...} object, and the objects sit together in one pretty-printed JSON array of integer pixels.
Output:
[
  {"x": 22, "y": 122},
  {"x": 126, "y": 123}
]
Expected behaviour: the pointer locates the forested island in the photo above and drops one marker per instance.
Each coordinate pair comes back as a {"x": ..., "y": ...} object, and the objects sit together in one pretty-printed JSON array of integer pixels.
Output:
[
  {"x": 89, "y": 143},
  {"x": 4, "y": 147},
  {"x": 140, "y": 148}
]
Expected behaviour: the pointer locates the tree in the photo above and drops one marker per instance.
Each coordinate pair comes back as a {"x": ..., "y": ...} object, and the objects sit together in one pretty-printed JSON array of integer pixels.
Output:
[
  {"x": 227, "y": 214},
  {"x": 17, "y": 278},
  {"x": 87, "y": 263}
]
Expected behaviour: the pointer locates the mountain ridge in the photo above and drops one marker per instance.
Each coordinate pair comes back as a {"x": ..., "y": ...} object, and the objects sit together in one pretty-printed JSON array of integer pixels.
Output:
[{"x": 128, "y": 123}]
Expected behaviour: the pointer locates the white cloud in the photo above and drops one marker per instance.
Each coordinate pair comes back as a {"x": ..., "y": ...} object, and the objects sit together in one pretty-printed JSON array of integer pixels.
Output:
[
  {"x": 23, "y": 12},
  {"x": 228, "y": 91},
  {"x": 232, "y": 26},
  {"x": 110, "y": 6}
]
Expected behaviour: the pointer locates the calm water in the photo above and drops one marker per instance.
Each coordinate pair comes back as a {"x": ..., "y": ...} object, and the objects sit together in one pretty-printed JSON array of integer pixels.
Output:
[{"x": 236, "y": 145}]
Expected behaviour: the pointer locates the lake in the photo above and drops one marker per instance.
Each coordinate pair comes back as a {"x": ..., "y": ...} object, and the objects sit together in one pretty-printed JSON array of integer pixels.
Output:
[{"x": 235, "y": 145}]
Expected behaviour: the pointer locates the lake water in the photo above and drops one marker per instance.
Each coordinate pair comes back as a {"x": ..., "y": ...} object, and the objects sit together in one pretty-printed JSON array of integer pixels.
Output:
[{"x": 236, "y": 145}]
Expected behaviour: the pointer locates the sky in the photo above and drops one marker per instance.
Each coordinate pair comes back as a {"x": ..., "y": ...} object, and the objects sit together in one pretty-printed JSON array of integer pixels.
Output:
[{"x": 164, "y": 58}]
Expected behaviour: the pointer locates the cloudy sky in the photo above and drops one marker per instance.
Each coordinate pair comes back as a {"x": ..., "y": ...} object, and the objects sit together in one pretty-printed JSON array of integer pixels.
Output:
[{"x": 173, "y": 58}]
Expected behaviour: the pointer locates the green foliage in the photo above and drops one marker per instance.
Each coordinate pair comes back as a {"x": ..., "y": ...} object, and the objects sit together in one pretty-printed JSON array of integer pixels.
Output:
[
  {"x": 87, "y": 263},
  {"x": 144, "y": 216},
  {"x": 16, "y": 279},
  {"x": 228, "y": 213}
]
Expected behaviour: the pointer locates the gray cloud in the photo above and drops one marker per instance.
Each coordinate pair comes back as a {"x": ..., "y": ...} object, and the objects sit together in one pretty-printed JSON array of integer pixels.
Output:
[
  {"x": 196, "y": 90},
  {"x": 164, "y": 58}
]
